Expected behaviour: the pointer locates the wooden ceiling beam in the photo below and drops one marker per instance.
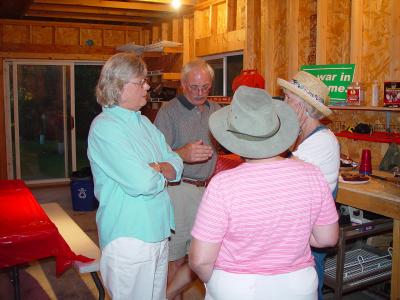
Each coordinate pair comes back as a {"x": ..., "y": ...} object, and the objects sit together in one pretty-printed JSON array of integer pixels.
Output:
[
  {"x": 99, "y": 17},
  {"x": 113, "y": 4},
  {"x": 14, "y": 8},
  {"x": 92, "y": 10},
  {"x": 183, "y": 2}
]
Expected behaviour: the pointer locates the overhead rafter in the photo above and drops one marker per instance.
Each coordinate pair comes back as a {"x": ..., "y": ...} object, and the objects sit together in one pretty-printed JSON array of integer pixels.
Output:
[
  {"x": 134, "y": 12},
  {"x": 98, "y": 17},
  {"x": 141, "y": 5},
  {"x": 50, "y": 8}
]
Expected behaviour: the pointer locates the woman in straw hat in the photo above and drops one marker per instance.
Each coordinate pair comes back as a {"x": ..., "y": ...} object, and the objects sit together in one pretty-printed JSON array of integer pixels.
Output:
[
  {"x": 316, "y": 144},
  {"x": 256, "y": 222}
]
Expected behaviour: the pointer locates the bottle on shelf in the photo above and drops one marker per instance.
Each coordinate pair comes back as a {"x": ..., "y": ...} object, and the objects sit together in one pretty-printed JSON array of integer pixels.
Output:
[
  {"x": 375, "y": 93},
  {"x": 355, "y": 94}
]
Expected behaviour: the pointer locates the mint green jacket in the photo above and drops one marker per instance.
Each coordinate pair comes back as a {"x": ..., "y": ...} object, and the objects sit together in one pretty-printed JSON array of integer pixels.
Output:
[{"x": 133, "y": 200}]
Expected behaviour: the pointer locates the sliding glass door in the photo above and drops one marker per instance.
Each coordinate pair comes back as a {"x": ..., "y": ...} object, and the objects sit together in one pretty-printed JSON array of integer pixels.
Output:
[
  {"x": 86, "y": 108},
  {"x": 42, "y": 126}
]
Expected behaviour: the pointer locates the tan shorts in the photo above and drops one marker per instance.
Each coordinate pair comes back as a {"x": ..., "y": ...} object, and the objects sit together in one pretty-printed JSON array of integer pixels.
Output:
[{"x": 185, "y": 199}]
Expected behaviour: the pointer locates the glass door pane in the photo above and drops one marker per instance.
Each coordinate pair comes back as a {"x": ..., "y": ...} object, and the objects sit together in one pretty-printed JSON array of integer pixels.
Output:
[
  {"x": 40, "y": 132},
  {"x": 218, "y": 86},
  {"x": 86, "y": 108},
  {"x": 234, "y": 66}
]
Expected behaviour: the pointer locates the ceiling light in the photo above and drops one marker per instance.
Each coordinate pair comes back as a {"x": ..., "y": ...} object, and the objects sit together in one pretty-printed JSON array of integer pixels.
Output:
[{"x": 176, "y": 4}]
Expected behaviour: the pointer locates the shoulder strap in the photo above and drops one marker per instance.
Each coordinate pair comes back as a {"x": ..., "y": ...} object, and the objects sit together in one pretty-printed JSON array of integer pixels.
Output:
[{"x": 319, "y": 128}]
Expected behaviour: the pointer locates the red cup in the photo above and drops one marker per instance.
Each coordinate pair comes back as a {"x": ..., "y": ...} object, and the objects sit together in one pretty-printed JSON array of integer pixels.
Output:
[{"x": 365, "y": 163}]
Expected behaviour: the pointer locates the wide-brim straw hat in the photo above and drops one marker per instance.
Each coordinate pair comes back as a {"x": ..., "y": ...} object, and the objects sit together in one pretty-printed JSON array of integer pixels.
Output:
[
  {"x": 254, "y": 125},
  {"x": 311, "y": 89}
]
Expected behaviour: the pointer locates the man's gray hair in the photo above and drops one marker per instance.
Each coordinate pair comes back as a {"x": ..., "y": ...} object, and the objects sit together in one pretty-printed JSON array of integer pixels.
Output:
[{"x": 196, "y": 64}]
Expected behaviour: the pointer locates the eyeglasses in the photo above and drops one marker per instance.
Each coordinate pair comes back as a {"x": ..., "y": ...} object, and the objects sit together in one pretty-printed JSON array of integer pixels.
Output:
[
  {"x": 200, "y": 89},
  {"x": 141, "y": 83}
]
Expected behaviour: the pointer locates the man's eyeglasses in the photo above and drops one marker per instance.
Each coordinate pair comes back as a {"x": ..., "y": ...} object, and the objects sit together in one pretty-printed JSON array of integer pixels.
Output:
[
  {"x": 141, "y": 83},
  {"x": 200, "y": 89}
]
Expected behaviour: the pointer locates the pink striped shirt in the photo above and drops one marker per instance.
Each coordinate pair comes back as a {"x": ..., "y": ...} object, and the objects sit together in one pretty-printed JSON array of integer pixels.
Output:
[{"x": 263, "y": 215}]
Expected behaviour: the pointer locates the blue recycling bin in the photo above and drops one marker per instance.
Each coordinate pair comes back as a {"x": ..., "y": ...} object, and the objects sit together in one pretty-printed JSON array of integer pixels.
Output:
[{"x": 82, "y": 191}]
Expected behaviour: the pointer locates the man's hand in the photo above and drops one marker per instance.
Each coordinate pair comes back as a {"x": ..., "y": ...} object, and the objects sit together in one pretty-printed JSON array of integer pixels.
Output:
[{"x": 195, "y": 152}]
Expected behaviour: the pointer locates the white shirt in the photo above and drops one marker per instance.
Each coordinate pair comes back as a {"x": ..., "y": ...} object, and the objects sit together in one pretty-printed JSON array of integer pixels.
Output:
[{"x": 323, "y": 151}]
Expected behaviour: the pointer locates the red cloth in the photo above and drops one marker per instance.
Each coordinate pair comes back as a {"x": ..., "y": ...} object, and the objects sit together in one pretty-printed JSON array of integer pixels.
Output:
[
  {"x": 249, "y": 78},
  {"x": 380, "y": 137},
  {"x": 226, "y": 162},
  {"x": 27, "y": 233}
]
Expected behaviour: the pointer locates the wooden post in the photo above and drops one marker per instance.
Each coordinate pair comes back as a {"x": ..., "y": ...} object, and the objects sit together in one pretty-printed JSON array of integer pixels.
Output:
[
  {"x": 292, "y": 36},
  {"x": 231, "y": 7},
  {"x": 165, "y": 31},
  {"x": 394, "y": 43},
  {"x": 322, "y": 34},
  {"x": 252, "y": 49},
  {"x": 356, "y": 38}
]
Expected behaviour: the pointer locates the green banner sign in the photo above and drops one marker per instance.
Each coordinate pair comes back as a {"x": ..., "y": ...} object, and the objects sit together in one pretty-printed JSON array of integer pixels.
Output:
[{"x": 336, "y": 77}]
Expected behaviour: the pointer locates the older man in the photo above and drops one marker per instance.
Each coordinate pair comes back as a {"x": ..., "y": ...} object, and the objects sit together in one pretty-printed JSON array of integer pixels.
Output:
[{"x": 184, "y": 122}]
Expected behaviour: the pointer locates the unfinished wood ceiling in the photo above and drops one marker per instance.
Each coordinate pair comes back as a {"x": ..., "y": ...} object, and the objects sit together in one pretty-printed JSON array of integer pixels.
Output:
[{"x": 118, "y": 12}]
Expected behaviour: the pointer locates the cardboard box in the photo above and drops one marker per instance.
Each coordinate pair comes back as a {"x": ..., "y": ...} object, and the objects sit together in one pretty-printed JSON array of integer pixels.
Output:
[{"x": 391, "y": 96}]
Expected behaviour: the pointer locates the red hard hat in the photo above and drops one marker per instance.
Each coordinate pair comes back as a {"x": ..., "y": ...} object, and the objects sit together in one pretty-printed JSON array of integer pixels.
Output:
[{"x": 249, "y": 78}]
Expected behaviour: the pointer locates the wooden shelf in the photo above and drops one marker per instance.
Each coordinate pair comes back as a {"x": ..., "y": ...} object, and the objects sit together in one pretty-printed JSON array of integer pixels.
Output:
[
  {"x": 223, "y": 100},
  {"x": 165, "y": 51},
  {"x": 171, "y": 76},
  {"x": 366, "y": 108},
  {"x": 378, "y": 137}
]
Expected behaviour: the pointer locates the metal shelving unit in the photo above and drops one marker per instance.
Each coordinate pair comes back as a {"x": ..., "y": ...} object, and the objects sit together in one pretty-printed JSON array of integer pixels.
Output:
[{"x": 355, "y": 268}]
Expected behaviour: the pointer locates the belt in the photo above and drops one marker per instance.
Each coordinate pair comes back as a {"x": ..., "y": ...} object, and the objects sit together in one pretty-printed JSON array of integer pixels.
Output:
[{"x": 198, "y": 183}]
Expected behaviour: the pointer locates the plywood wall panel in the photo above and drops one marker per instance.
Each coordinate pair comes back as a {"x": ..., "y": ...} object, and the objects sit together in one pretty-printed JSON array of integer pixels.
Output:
[
  {"x": 166, "y": 31},
  {"x": 241, "y": 14},
  {"x": 353, "y": 149},
  {"x": 202, "y": 23},
  {"x": 43, "y": 35},
  {"x": 156, "y": 34},
  {"x": 222, "y": 43},
  {"x": 16, "y": 34},
  {"x": 343, "y": 119},
  {"x": 91, "y": 34},
  {"x": 307, "y": 31},
  {"x": 113, "y": 38},
  {"x": 338, "y": 33},
  {"x": 177, "y": 30},
  {"x": 376, "y": 35},
  {"x": 146, "y": 37},
  {"x": 67, "y": 36},
  {"x": 133, "y": 36},
  {"x": 221, "y": 18}
]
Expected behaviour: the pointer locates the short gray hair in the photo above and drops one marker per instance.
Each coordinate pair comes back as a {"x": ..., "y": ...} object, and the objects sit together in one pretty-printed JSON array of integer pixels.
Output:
[
  {"x": 312, "y": 112},
  {"x": 116, "y": 72},
  {"x": 196, "y": 64}
]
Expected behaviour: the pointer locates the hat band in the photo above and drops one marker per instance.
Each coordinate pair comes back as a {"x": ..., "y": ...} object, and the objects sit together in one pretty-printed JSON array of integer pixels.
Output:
[
  {"x": 301, "y": 86},
  {"x": 261, "y": 137}
]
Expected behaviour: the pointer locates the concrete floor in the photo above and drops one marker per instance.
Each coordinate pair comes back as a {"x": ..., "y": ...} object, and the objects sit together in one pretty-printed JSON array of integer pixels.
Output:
[{"x": 38, "y": 280}]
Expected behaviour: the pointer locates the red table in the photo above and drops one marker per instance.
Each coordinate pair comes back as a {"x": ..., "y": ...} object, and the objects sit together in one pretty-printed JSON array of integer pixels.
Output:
[{"x": 26, "y": 232}]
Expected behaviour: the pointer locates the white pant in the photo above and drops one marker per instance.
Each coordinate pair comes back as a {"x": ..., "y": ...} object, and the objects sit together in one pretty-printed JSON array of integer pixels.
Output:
[
  {"x": 135, "y": 270},
  {"x": 298, "y": 285}
]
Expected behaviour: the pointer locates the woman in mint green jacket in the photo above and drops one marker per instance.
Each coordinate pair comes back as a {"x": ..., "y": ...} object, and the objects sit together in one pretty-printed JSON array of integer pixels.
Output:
[{"x": 131, "y": 165}]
